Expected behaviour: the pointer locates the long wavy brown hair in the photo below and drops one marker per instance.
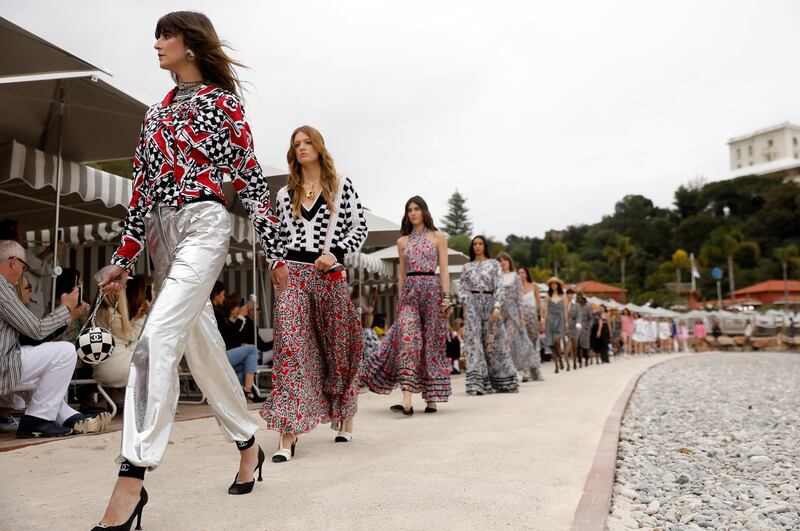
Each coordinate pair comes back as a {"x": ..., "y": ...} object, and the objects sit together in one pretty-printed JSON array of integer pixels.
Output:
[
  {"x": 327, "y": 180},
  {"x": 200, "y": 36}
]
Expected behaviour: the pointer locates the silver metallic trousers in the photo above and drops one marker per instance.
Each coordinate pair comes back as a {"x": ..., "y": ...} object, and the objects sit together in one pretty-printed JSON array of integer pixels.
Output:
[{"x": 188, "y": 247}]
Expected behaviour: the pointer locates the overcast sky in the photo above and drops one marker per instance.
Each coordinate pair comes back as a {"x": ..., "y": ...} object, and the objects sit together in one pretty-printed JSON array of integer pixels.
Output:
[{"x": 513, "y": 103}]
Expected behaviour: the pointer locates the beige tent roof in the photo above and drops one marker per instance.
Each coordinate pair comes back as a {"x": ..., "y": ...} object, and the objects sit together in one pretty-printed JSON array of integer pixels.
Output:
[{"x": 23, "y": 53}]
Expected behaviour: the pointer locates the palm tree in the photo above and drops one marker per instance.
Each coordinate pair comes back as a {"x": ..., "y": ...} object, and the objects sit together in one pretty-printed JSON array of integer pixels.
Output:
[
  {"x": 620, "y": 249},
  {"x": 680, "y": 260},
  {"x": 786, "y": 254},
  {"x": 556, "y": 254},
  {"x": 726, "y": 243}
]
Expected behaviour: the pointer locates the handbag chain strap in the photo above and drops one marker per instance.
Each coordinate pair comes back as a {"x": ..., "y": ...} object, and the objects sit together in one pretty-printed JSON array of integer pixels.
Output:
[{"x": 90, "y": 322}]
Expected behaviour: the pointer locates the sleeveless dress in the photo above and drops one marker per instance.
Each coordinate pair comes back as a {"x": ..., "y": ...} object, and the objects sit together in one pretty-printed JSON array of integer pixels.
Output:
[
  {"x": 521, "y": 346},
  {"x": 530, "y": 309},
  {"x": 412, "y": 354},
  {"x": 489, "y": 364},
  {"x": 554, "y": 328}
]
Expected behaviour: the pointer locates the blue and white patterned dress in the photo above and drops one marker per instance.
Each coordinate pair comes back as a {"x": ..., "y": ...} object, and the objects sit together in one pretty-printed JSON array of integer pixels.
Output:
[{"x": 489, "y": 364}]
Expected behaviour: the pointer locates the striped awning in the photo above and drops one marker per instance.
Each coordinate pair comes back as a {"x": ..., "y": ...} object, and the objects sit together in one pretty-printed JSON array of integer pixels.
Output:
[
  {"x": 106, "y": 231},
  {"x": 28, "y": 184},
  {"x": 370, "y": 264}
]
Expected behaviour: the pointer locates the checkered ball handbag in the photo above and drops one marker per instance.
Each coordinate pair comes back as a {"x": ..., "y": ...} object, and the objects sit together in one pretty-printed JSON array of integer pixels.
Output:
[{"x": 95, "y": 344}]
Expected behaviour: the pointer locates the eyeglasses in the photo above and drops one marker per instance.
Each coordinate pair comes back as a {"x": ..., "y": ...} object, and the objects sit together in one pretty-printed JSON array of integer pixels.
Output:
[{"x": 25, "y": 266}]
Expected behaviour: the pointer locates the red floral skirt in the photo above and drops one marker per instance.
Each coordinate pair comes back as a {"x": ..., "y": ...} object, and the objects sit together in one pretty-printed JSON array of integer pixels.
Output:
[{"x": 318, "y": 347}]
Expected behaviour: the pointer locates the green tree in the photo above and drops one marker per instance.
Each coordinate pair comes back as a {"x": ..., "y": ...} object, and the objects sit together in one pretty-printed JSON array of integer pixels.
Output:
[
  {"x": 555, "y": 254},
  {"x": 786, "y": 255},
  {"x": 680, "y": 261},
  {"x": 726, "y": 243},
  {"x": 540, "y": 274},
  {"x": 459, "y": 242},
  {"x": 457, "y": 221},
  {"x": 122, "y": 167},
  {"x": 618, "y": 251}
]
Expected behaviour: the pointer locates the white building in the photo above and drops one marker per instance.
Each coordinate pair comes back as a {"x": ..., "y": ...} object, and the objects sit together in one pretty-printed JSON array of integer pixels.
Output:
[{"x": 770, "y": 151}]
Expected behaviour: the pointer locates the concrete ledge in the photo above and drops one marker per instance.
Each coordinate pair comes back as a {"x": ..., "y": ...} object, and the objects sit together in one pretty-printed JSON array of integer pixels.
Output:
[{"x": 595, "y": 503}]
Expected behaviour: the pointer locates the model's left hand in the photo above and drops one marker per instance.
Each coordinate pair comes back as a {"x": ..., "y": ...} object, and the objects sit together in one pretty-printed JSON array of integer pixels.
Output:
[{"x": 325, "y": 262}]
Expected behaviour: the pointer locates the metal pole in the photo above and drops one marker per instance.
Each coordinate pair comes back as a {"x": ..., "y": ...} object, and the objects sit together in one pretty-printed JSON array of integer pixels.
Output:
[
  {"x": 56, "y": 269},
  {"x": 255, "y": 290},
  {"x": 719, "y": 296}
]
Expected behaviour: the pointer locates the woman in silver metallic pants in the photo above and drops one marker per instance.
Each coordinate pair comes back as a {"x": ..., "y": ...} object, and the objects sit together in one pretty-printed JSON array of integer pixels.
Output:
[
  {"x": 191, "y": 142},
  {"x": 188, "y": 247}
]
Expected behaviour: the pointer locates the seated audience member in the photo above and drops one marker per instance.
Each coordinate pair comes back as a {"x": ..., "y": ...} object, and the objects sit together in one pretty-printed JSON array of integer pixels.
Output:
[
  {"x": 124, "y": 326},
  {"x": 372, "y": 344},
  {"x": 47, "y": 367},
  {"x": 248, "y": 334},
  {"x": 242, "y": 357},
  {"x": 40, "y": 264}
]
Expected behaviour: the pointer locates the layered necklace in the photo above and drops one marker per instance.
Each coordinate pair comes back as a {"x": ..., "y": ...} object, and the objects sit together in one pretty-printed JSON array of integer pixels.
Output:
[{"x": 186, "y": 89}]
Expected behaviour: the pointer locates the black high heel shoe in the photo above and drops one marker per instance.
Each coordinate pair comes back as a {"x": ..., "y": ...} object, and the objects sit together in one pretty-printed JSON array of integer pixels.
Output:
[
  {"x": 400, "y": 409},
  {"x": 253, "y": 395},
  {"x": 247, "y": 488},
  {"x": 137, "y": 513}
]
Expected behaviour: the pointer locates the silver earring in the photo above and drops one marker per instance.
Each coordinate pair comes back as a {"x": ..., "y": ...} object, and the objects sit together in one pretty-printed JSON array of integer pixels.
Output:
[{"x": 190, "y": 55}]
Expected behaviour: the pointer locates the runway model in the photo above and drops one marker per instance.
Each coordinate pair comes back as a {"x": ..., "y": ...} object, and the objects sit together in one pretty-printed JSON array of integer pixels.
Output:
[
  {"x": 189, "y": 143},
  {"x": 554, "y": 322},
  {"x": 489, "y": 364},
  {"x": 580, "y": 324},
  {"x": 413, "y": 353},
  {"x": 520, "y": 345},
  {"x": 318, "y": 339},
  {"x": 530, "y": 309}
]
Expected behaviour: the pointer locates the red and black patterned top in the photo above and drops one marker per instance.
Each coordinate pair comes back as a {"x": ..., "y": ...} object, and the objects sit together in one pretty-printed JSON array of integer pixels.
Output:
[{"x": 185, "y": 152}]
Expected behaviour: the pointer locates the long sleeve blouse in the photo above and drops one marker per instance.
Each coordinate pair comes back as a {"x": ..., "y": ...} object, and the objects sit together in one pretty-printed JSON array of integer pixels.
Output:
[
  {"x": 184, "y": 154},
  {"x": 482, "y": 275}
]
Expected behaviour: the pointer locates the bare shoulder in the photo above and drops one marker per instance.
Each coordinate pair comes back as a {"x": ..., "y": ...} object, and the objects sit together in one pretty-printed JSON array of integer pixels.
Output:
[{"x": 402, "y": 241}]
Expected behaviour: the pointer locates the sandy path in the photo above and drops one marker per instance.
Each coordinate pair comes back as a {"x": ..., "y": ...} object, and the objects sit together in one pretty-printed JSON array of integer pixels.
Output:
[{"x": 499, "y": 461}]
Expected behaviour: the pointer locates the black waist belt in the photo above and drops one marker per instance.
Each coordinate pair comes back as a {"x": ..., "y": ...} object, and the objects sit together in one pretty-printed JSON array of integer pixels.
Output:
[
  {"x": 309, "y": 257},
  {"x": 481, "y": 291},
  {"x": 421, "y": 274}
]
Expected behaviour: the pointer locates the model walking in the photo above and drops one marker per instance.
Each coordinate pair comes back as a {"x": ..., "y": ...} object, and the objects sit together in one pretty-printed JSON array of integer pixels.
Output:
[
  {"x": 520, "y": 345},
  {"x": 580, "y": 323},
  {"x": 318, "y": 339},
  {"x": 413, "y": 353},
  {"x": 554, "y": 321},
  {"x": 189, "y": 143},
  {"x": 530, "y": 309},
  {"x": 489, "y": 364}
]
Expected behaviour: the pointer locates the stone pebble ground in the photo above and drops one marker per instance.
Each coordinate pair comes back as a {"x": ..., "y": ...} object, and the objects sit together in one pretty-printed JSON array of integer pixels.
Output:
[{"x": 711, "y": 442}]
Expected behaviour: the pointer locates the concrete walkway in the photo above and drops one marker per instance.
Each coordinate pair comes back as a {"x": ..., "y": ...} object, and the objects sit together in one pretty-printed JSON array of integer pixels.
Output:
[{"x": 515, "y": 461}]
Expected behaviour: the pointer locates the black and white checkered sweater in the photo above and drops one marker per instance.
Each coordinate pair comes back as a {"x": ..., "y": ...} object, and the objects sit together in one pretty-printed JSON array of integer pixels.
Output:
[{"x": 309, "y": 232}]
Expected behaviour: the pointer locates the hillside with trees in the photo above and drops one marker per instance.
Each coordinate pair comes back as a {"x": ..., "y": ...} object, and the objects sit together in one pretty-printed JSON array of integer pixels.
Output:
[{"x": 749, "y": 227}]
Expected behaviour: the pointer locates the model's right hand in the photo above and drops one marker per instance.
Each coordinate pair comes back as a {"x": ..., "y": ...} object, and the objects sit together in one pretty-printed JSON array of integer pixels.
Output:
[
  {"x": 70, "y": 300},
  {"x": 114, "y": 280},
  {"x": 280, "y": 278}
]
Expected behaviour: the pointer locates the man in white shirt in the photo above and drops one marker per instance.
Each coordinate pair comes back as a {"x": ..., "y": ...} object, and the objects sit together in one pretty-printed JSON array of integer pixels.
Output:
[{"x": 47, "y": 367}]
